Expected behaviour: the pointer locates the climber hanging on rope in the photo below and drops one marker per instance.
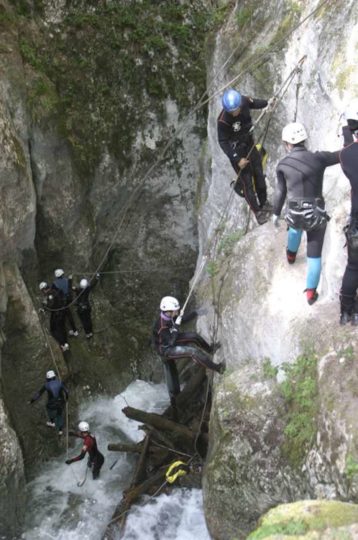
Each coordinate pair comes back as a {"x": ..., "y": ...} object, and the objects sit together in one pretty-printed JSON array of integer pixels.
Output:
[
  {"x": 57, "y": 395},
  {"x": 95, "y": 458},
  {"x": 349, "y": 163},
  {"x": 64, "y": 284},
  {"x": 83, "y": 304},
  {"x": 234, "y": 127},
  {"x": 54, "y": 302},
  {"x": 300, "y": 178},
  {"x": 173, "y": 345}
]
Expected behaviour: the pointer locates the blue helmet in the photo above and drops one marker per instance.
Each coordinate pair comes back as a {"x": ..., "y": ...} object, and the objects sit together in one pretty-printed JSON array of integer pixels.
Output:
[{"x": 231, "y": 100}]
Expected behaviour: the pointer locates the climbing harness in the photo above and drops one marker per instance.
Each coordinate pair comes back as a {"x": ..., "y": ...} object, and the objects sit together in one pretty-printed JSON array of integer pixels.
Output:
[{"x": 306, "y": 214}]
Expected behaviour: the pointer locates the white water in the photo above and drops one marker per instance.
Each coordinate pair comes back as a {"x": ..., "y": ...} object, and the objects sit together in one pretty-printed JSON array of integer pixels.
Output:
[{"x": 59, "y": 509}]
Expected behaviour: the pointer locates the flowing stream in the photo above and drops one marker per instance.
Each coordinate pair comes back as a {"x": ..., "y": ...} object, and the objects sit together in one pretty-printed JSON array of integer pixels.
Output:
[{"x": 59, "y": 509}]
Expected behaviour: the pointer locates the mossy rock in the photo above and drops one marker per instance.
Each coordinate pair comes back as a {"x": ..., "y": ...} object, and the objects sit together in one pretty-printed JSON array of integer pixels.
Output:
[{"x": 305, "y": 519}]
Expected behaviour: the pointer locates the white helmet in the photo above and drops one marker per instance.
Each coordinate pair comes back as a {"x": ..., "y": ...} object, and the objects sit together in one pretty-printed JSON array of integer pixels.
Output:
[
  {"x": 83, "y": 426},
  {"x": 294, "y": 133},
  {"x": 169, "y": 303},
  {"x": 50, "y": 374},
  {"x": 351, "y": 111},
  {"x": 59, "y": 272},
  {"x": 43, "y": 285},
  {"x": 83, "y": 283}
]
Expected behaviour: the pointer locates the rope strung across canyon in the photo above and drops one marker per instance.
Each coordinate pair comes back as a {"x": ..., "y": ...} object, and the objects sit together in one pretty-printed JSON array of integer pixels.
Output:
[{"x": 252, "y": 64}]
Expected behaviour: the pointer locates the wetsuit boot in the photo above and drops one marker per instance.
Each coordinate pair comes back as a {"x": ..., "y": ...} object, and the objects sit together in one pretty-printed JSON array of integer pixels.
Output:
[
  {"x": 311, "y": 295},
  {"x": 291, "y": 256}
]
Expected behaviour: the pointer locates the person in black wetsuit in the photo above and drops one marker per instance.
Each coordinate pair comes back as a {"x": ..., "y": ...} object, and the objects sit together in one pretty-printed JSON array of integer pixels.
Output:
[
  {"x": 349, "y": 163},
  {"x": 235, "y": 139},
  {"x": 54, "y": 304},
  {"x": 57, "y": 395},
  {"x": 95, "y": 458},
  {"x": 300, "y": 178},
  {"x": 64, "y": 284},
  {"x": 83, "y": 304},
  {"x": 173, "y": 345}
]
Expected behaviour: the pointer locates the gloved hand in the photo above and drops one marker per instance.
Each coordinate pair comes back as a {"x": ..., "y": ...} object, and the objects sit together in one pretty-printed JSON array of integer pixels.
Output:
[
  {"x": 271, "y": 103},
  {"x": 201, "y": 311},
  {"x": 70, "y": 276},
  {"x": 41, "y": 310},
  {"x": 276, "y": 220},
  {"x": 98, "y": 275},
  {"x": 243, "y": 163},
  {"x": 68, "y": 461},
  {"x": 178, "y": 320}
]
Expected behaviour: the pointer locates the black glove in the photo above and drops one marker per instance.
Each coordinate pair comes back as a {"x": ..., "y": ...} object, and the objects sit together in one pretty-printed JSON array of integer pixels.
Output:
[{"x": 68, "y": 461}]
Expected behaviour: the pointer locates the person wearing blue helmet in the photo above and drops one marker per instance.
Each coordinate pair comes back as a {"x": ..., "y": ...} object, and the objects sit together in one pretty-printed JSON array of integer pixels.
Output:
[{"x": 235, "y": 139}]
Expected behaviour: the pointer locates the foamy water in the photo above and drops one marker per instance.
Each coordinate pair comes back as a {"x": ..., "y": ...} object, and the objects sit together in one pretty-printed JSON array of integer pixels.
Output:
[{"x": 59, "y": 509}]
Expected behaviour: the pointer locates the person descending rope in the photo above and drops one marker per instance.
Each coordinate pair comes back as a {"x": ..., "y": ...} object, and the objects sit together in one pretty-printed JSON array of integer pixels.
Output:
[
  {"x": 83, "y": 304},
  {"x": 173, "y": 345},
  {"x": 95, "y": 458},
  {"x": 64, "y": 284},
  {"x": 57, "y": 395},
  {"x": 300, "y": 177},
  {"x": 234, "y": 127},
  {"x": 349, "y": 163},
  {"x": 54, "y": 302}
]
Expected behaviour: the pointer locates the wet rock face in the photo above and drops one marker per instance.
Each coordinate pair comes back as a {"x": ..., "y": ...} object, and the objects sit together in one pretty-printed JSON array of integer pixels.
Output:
[
  {"x": 89, "y": 100},
  {"x": 258, "y": 303},
  {"x": 12, "y": 481}
]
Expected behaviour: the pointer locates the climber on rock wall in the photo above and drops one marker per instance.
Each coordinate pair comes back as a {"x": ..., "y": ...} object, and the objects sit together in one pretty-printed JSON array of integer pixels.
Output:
[
  {"x": 235, "y": 139},
  {"x": 83, "y": 304},
  {"x": 95, "y": 458},
  {"x": 300, "y": 178},
  {"x": 54, "y": 303},
  {"x": 64, "y": 284},
  {"x": 349, "y": 163},
  {"x": 57, "y": 395},
  {"x": 173, "y": 345}
]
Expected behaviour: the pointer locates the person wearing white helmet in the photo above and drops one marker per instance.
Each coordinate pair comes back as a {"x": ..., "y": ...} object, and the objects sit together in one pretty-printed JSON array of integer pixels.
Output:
[
  {"x": 57, "y": 395},
  {"x": 349, "y": 164},
  {"x": 83, "y": 305},
  {"x": 235, "y": 139},
  {"x": 53, "y": 302},
  {"x": 173, "y": 345},
  {"x": 64, "y": 284},
  {"x": 95, "y": 458},
  {"x": 300, "y": 179}
]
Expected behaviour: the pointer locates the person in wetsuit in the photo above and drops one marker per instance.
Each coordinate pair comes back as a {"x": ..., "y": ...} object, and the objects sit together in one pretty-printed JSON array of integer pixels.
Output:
[
  {"x": 300, "y": 179},
  {"x": 173, "y": 345},
  {"x": 57, "y": 395},
  {"x": 349, "y": 163},
  {"x": 235, "y": 139},
  {"x": 64, "y": 284},
  {"x": 95, "y": 458},
  {"x": 54, "y": 303},
  {"x": 83, "y": 304}
]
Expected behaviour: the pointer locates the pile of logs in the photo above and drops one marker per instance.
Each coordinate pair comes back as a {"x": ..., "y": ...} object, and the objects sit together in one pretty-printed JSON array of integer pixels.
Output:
[{"x": 166, "y": 440}]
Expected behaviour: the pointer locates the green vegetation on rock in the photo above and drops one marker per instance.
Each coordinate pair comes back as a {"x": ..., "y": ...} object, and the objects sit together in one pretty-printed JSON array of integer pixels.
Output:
[
  {"x": 303, "y": 516},
  {"x": 108, "y": 66},
  {"x": 300, "y": 393}
]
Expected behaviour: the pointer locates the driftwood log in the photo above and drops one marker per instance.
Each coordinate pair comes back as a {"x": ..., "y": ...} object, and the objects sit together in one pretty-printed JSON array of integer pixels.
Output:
[{"x": 165, "y": 441}]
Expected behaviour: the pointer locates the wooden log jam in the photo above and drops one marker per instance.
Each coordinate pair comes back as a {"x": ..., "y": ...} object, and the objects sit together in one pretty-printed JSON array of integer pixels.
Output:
[
  {"x": 160, "y": 422},
  {"x": 125, "y": 447}
]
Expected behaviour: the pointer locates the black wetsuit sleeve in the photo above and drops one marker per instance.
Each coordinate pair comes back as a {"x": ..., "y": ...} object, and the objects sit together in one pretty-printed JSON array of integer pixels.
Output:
[
  {"x": 224, "y": 138},
  {"x": 280, "y": 193},
  {"x": 64, "y": 392},
  {"x": 347, "y": 136},
  {"x": 257, "y": 103},
  {"x": 38, "y": 394},
  {"x": 79, "y": 457},
  {"x": 328, "y": 158},
  {"x": 189, "y": 317}
]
